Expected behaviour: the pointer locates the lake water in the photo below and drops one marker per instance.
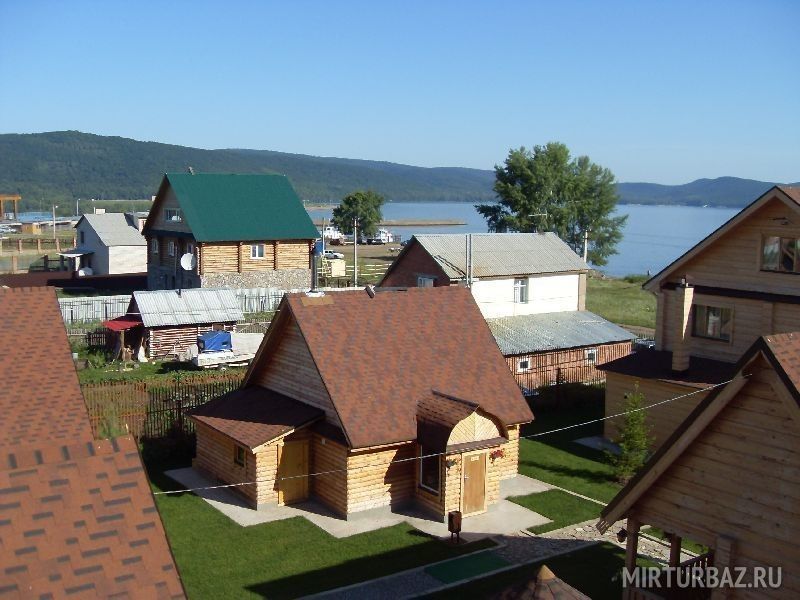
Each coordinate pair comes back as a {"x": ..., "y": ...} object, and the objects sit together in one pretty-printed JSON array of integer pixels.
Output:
[{"x": 653, "y": 237}]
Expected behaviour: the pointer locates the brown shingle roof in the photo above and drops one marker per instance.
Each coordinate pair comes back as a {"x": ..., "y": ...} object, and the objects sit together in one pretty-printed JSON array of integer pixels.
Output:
[
  {"x": 785, "y": 351},
  {"x": 792, "y": 192},
  {"x": 77, "y": 516},
  {"x": 40, "y": 397},
  {"x": 379, "y": 356},
  {"x": 437, "y": 414},
  {"x": 254, "y": 415},
  {"x": 546, "y": 586},
  {"x": 657, "y": 364}
]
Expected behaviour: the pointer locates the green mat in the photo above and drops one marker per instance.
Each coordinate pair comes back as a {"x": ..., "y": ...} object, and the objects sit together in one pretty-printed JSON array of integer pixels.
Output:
[{"x": 466, "y": 567}]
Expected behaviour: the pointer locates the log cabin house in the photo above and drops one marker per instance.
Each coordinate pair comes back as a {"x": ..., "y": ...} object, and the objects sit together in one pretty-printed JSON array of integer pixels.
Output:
[
  {"x": 531, "y": 288},
  {"x": 77, "y": 515},
  {"x": 739, "y": 283},
  {"x": 167, "y": 322},
  {"x": 243, "y": 231},
  {"x": 728, "y": 478},
  {"x": 324, "y": 411}
]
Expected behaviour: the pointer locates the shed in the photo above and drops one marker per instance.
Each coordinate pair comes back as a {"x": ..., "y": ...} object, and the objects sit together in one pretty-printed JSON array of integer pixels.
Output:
[
  {"x": 108, "y": 244},
  {"x": 172, "y": 319}
]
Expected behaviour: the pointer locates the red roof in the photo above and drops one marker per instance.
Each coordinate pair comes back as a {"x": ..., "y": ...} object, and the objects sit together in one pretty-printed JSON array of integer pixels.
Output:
[
  {"x": 124, "y": 322},
  {"x": 77, "y": 516},
  {"x": 379, "y": 356}
]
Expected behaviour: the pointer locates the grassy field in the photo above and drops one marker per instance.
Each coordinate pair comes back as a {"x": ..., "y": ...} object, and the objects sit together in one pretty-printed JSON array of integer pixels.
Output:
[
  {"x": 558, "y": 460},
  {"x": 560, "y": 507},
  {"x": 285, "y": 559},
  {"x": 621, "y": 301}
]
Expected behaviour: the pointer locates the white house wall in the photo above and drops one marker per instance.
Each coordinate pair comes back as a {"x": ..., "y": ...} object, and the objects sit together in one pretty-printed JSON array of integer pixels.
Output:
[
  {"x": 553, "y": 293},
  {"x": 127, "y": 259}
]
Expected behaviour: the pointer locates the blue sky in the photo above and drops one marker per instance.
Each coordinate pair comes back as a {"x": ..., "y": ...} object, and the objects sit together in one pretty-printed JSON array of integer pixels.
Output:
[{"x": 657, "y": 91}]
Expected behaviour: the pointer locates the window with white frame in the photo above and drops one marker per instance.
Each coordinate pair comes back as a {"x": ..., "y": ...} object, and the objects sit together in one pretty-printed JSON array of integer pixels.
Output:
[
  {"x": 591, "y": 355},
  {"x": 521, "y": 290},
  {"x": 154, "y": 246},
  {"x": 713, "y": 322},
  {"x": 171, "y": 248},
  {"x": 429, "y": 471},
  {"x": 423, "y": 281},
  {"x": 257, "y": 251},
  {"x": 173, "y": 214},
  {"x": 523, "y": 365}
]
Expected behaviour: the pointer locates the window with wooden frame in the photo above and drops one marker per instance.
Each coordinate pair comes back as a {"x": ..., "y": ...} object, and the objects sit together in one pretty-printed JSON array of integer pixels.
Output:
[
  {"x": 521, "y": 290},
  {"x": 257, "y": 251},
  {"x": 423, "y": 281},
  {"x": 171, "y": 248},
  {"x": 189, "y": 248},
  {"x": 238, "y": 455},
  {"x": 83, "y": 237},
  {"x": 712, "y": 322},
  {"x": 173, "y": 214},
  {"x": 154, "y": 245},
  {"x": 780, "y": 254},
  {"x": 429, "y": 471}
]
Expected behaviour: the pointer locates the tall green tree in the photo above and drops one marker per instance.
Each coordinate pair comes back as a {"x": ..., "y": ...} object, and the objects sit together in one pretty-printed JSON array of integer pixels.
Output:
[
  {"x": 547, "y": 190},
  {"x": 363, "y": 206},
  {"x": 633, "y": 440}
]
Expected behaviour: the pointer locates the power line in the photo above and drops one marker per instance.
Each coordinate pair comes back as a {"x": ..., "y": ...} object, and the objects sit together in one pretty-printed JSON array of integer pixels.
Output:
[{"x": 415, "y": 458}]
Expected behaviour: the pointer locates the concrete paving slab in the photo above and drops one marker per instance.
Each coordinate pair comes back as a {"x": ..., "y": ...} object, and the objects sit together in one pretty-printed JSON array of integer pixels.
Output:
[
  {"x": 522, "y": 485},
  {"x": 502, "y": 518}
]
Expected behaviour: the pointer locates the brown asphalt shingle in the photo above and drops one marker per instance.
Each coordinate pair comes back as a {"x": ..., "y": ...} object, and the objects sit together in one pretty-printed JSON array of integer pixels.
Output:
[
  {"x": 379, "y": 356},
  {"x": 77, "y": 517},
  {"x": 254, "y": 415}
]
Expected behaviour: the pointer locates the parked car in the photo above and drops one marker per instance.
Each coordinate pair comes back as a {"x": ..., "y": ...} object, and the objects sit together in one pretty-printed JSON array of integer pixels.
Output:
[{"x": 330, "y": 254}]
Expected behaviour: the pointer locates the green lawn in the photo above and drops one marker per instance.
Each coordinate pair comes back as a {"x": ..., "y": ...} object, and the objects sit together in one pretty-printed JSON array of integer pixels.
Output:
[
  {"x": 560, "y": 507},
  {"x": 153, "y": 370},
  {"x": 685, "y": 544},
  {"x": 219, "y": 559},
  {"x": 557, "y": 459},
  {"x": 621, "y": 301},
  {"x": 595, "y": 571}
]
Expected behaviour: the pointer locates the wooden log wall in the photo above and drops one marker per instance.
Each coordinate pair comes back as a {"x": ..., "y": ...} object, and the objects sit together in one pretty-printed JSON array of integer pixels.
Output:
[
  {"x": 220, "y": 257},
  {"x": 373, "y": 482},
  {"x": 236, "y": 257},
  {"x": 215, "y": 454},
  {"x": 164, "y": 341},
  {"x": 740, "y": 477},
  {"x": 331, "y": 488}
]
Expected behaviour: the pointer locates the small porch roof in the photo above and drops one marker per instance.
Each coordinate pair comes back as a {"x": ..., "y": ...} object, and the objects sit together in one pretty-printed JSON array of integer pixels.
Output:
[
  {"x": 437, "y": 415},
  {"x": 123, "y": 323},
  {"x": 76, "y": 252},
  {"x": 254, "y": 416}
]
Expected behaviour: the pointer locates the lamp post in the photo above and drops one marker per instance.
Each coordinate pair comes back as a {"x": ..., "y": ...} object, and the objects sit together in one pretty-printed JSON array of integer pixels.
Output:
[{"x": 355, "y": 252}]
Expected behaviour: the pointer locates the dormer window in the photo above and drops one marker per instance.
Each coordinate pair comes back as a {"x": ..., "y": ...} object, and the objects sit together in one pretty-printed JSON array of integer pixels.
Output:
[
  {"x": 173, "y": 215},
  {"x": 780, "y": 254}
]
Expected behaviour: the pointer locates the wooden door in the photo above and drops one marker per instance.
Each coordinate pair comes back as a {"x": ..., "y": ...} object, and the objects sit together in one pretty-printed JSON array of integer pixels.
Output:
[
  {"x": 474, "y": 490},
  {"x": 293, "y": 464}
]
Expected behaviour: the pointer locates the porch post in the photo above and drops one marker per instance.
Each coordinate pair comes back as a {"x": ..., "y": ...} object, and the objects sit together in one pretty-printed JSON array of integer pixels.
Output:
[
  {"x": 674, "y": 550},
  {"x": 632, "y": 547}
]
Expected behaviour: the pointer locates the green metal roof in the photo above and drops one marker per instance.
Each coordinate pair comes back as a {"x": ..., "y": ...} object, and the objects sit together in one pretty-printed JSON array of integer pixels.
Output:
[{"x": 226, "y": 207}]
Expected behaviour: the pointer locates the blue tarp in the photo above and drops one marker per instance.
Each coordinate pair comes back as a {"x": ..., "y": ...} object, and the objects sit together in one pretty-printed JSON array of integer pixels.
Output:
[{"x": 214, "y": 341}]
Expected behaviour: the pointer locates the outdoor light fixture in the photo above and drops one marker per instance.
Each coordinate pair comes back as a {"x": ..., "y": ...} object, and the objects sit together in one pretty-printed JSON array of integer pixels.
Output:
[
  {"x": 450, "y": 462},
  {"x": 622, "y": 535}
]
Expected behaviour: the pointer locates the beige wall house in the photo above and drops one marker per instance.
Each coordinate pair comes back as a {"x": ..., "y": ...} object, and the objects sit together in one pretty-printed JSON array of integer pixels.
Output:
[
  {"x": 326, "y": 412},
  {"x": 739, "y": 283},
  {"x": 108, "y": 244},
  {"x": 729, "y": 478},
  {"x": 242, "y": 231}
]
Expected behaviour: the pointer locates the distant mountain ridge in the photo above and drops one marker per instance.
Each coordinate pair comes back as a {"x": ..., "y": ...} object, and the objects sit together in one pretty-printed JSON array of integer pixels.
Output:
[{"x": 65, "y": 165}]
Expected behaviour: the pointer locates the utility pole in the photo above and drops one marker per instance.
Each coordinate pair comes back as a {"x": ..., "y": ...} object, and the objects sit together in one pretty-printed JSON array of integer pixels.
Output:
[
  {"x": 55, "y": 206},
  {"x": 77, "y": 207},
  {"x": 585, "y": 245},
  {"x": 355, "y": 252}
]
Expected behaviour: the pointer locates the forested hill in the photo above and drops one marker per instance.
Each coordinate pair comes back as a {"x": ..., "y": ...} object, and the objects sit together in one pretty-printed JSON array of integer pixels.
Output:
[{"x": 65, "y": 165}]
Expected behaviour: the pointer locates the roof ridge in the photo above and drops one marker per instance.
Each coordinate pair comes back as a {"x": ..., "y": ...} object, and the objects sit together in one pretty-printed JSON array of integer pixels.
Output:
[{"x": 455, "y": 398}]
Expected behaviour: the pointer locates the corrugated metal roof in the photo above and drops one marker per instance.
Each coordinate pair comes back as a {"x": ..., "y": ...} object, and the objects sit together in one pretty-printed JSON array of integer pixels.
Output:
[
  {"x": 114, "y": 229},
  {"x": 523, "y": 334},
  {"x": 187, "y": 307},
  {"x": 501, "y": 254}
]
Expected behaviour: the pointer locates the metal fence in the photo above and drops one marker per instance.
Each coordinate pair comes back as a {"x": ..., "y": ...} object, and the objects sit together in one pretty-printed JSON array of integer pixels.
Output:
[
  {"x": 94, "y": 308},
  {"x": 151, "y": 409}
]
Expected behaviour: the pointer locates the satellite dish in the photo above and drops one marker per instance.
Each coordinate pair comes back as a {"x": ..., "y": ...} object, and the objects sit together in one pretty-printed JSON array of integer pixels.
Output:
[{"x": 188, "y": 262}]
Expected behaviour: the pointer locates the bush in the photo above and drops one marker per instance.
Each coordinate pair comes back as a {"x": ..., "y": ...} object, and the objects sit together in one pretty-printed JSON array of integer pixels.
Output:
[{"x": 634, "y": 439}]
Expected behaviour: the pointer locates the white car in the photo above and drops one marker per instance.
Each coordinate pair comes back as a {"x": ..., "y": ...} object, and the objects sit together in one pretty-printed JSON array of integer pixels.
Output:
[{"x": 330, "y": 254}]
